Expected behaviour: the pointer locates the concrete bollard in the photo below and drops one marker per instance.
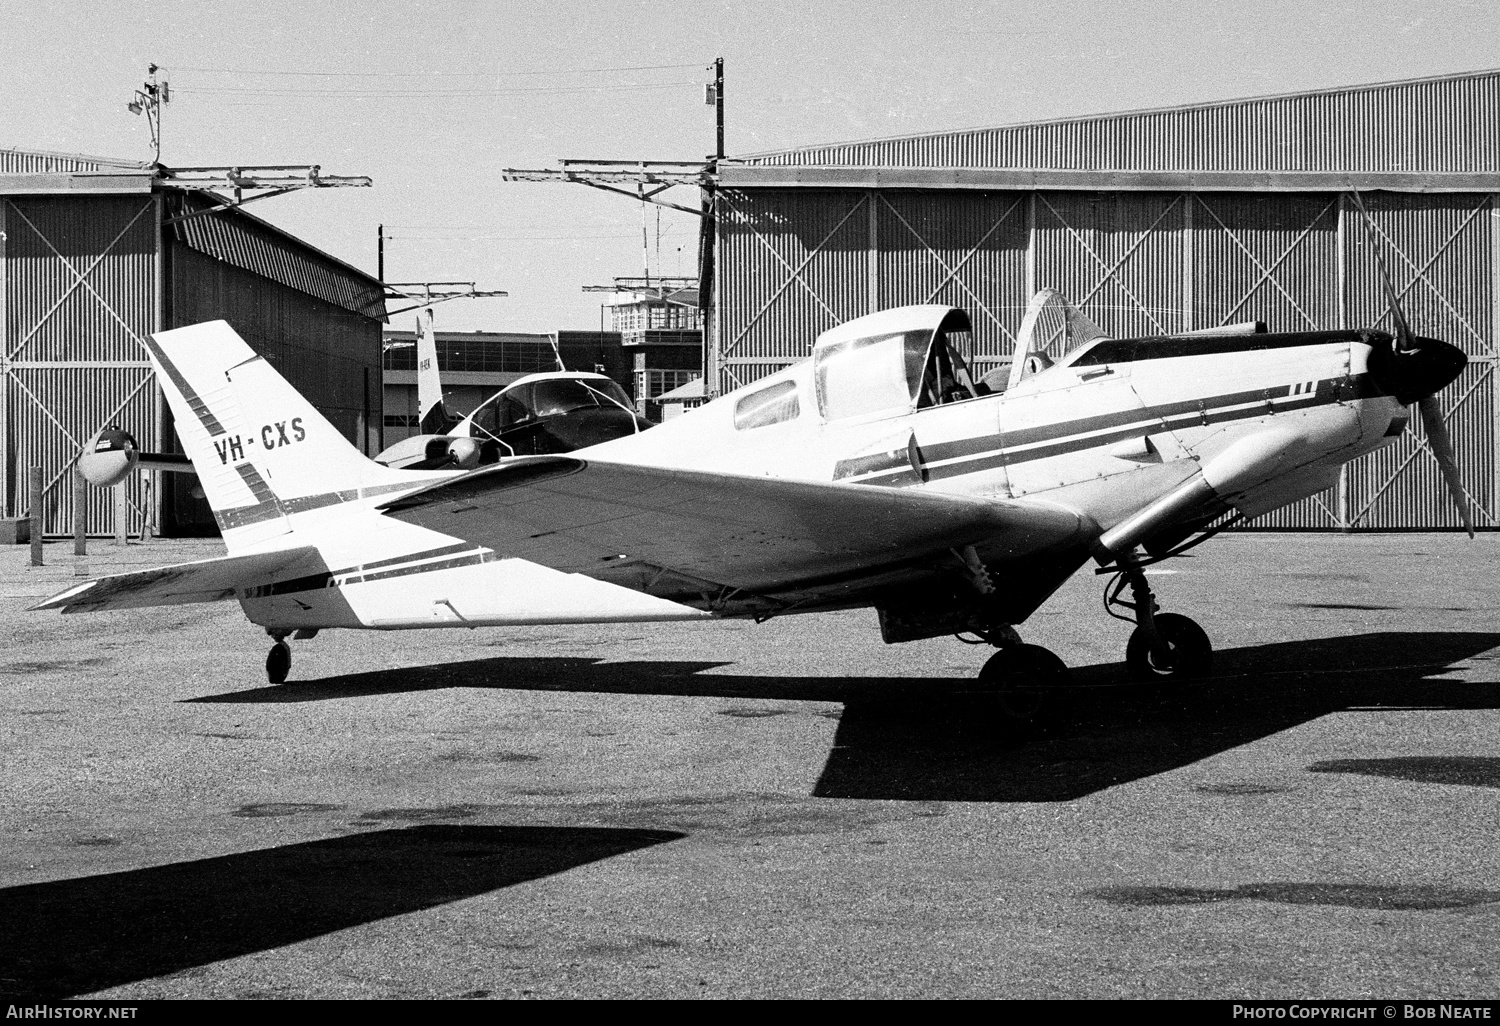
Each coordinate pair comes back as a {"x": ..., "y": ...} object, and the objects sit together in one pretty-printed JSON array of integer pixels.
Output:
[
  {"x": 34, "y": 498},
  {"x": 80, "y": 515},
  {"x": 146, "y": 506},
  {"x": 122, "y": 516}
]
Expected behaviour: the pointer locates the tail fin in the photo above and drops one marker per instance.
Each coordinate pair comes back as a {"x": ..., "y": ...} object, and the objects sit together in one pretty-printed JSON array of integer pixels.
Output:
[
  {"x": 434, "y": 416},
  {"x": 262, "y": 452}
]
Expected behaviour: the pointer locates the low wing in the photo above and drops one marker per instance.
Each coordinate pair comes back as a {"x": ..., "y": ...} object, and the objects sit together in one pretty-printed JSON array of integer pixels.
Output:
[
  {"x": 756, "y": 534},
  {"x": 207, "y": 580}
]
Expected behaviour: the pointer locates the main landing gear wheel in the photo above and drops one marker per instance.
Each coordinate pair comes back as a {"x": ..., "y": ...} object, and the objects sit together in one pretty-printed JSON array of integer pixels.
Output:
[
  {"x": 1024, "y": 683},
  {"x": 1165, "y": 648},
  {"x": 1183, "y": 654},
  {"x": 279, "y": 662}
]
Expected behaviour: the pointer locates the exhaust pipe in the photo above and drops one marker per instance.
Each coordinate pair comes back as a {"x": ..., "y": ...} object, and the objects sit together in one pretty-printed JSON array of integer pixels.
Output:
[{"x": 1246, "y": 463}]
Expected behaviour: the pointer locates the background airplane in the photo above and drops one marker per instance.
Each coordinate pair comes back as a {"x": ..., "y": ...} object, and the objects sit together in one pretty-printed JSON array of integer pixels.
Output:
[
  {"x": 876, "y": 474},
  {"x": 550, "y": 412}
]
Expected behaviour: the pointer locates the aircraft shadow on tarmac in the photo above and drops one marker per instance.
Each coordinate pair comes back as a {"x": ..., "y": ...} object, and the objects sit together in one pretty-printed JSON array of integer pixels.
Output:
[
  {"x": 1469, "y": 770},
  {"x": 70, "y": 937},
  {"x": 906, "y": 738}
]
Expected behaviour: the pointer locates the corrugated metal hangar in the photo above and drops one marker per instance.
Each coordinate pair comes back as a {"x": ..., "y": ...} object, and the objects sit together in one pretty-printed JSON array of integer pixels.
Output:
[
  {"x": 1153, "y": 222},
  {"x": 94, "y": 255}
]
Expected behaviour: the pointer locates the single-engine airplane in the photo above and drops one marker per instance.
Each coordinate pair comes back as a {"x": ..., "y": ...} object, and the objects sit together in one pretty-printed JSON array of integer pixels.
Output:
[{"x": 877, "y": 473}]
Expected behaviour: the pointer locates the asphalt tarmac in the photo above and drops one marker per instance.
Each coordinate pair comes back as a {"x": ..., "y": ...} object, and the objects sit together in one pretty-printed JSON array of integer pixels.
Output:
[{"x": 786, "y": 810}]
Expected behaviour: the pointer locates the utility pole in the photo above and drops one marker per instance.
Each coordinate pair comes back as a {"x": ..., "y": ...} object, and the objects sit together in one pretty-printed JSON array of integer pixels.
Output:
[
  {"x": 148, "y": 100},
  {"x": 650, "y": 178},
  {"x": 380, "y": 252},
  {"x": 718, "y": 100},
  {"x": 645, "y": 233},
  {"x": 707, "y": 242}
]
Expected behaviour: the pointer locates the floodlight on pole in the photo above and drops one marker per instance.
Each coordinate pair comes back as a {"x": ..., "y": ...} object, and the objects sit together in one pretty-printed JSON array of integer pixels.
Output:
[{"x": 148, "y": 100}]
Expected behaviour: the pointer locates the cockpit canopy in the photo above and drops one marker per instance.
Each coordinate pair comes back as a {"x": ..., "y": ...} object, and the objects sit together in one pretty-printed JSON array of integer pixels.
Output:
[
  {"x": 535, "y": 398},
  {"x": 893, "y": 362}
]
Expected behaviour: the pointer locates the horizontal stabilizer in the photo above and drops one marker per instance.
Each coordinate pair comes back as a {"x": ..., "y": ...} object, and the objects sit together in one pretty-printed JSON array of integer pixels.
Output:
[
  {"x": 172, "y": 462},
  {"x": 207, "y": 580}
]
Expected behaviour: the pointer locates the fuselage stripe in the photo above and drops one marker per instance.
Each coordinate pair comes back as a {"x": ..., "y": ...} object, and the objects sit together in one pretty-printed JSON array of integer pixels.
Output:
[
  {"x": 458, "y": 554},
  {"x": 986, "y": 452},
  {"x": 241, "y": 516}
]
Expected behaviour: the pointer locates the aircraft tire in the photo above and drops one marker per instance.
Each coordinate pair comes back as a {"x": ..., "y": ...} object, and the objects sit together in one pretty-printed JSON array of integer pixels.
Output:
[
  {"x": 1192, "y": 652},
  {"x": 1024, "y": 684},
  {"x": 279, "y": 663}
]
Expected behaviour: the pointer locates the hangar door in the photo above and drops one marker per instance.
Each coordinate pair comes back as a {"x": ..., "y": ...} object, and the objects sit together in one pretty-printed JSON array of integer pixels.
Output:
[
  {"x": 79, "y": 291},
  {"x": 793, "y": 265},
  {"x": 1439, "y": 250},
  {"x": 795, "y": 262}
]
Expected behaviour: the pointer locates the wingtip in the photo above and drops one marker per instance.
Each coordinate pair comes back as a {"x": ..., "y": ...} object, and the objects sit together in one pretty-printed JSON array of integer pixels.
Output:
[{"x": 62, "y": 599}]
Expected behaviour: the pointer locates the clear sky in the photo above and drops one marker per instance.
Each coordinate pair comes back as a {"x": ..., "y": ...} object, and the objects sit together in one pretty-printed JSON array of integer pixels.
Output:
[{"x": 433, "y": 99}]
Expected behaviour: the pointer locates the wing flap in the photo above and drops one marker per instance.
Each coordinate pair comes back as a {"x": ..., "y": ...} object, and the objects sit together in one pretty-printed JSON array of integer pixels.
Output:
[
  {"x": 206, "y": 580},
  {"x": 753, "y": 533}
]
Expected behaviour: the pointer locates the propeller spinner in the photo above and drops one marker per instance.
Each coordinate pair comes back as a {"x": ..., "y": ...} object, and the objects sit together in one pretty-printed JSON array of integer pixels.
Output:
[{"x": 1414, "y": 369}]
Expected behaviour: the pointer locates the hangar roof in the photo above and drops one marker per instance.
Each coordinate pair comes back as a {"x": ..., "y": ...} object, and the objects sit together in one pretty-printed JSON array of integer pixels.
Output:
[
  {"x": 1439, "y": 134},
  {"x": 232, "y": 235},
  {"x": 37, "y": 172}
]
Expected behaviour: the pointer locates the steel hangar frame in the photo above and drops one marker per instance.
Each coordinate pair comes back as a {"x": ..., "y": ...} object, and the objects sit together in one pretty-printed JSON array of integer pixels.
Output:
[{"x": 96, "y": 254}]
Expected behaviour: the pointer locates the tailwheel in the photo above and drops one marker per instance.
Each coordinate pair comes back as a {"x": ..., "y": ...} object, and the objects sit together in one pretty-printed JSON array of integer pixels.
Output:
[
  {"x": 1024, "y": 683},
  {"x": 1183, "y": 652},
  {"x": 279, "y": 662}
]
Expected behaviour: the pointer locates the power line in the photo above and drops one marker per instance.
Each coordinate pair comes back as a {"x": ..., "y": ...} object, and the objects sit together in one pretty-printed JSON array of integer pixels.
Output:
[
  {"x": 434, "y": 74},
  {"x": 517, "y": 226},
  {"x": 380, "y": 94},
  {"x": 518, "y": 231},
  {"x": 507, "y": 238},
  {"x": 471, "y": 227}
]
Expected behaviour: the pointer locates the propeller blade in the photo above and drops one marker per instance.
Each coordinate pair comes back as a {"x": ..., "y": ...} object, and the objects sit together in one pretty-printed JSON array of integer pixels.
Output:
[
  {"x": 1404, "y": 338},
  {"x": 1442, "y": 448},
  {"x": 1421, "y": 375}
]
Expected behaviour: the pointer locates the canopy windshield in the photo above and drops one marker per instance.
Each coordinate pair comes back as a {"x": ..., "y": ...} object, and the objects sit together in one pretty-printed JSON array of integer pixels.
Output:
[
  {"x": 564, "y": 395},
  {"x": 945, "y": 376},
  {"x": 550, "y": 397}
]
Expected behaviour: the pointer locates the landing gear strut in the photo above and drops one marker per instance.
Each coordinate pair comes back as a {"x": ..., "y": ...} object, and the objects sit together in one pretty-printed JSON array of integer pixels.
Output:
[
  {"x": 279, "y": 662},
  {"x": 1023, "y": 683},
  {"x": 1164, "y": 647}
]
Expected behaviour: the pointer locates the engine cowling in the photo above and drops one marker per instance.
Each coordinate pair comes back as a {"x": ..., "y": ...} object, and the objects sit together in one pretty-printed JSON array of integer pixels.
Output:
[
  {"x": 1246, "y": 463},
  {"x": 436, "y": 452},
  {"x": 462, "y": 452}
]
